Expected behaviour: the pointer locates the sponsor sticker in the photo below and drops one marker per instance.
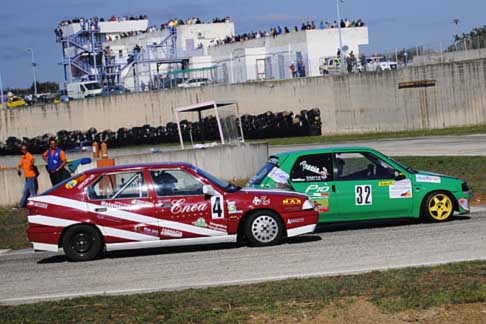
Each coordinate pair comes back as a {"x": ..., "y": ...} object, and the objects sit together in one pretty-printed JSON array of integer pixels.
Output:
[
  {"x": 317, "y": 189},
  {"x": 292, "y": 201},
  {"x": 170, "y": 233},
  {"x": 38, "y": 204},
  {"x": 71, "y": 184},
  {"x": 427, "y": 178},
  {"x": 232, "y": 209},
  {"x": 200, "y": 222},
  {"x": 314, "y": 169},
  {"x": 295, "y": 220},
  {"x": 401, "y": 189},
  {"x": 217, "y": 227},
  {"x": 261, "y": 201},
  {"x": 322, "y": 205},
  {"x": 386, "y": 183},
  {"x": 86, "y": 181}
]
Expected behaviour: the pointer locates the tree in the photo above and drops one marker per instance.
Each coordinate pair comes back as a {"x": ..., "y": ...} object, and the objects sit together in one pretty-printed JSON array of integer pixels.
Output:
[{"x": 475, "y": 39}]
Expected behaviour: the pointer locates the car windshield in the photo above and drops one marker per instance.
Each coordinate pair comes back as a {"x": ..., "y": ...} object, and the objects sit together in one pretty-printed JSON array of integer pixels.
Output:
[
  {"x": 409, "y": 169},
  {"x": 92, "y": 86},
  {"x": 226, "y": 186},
  {"x": 264, "y": 171}
]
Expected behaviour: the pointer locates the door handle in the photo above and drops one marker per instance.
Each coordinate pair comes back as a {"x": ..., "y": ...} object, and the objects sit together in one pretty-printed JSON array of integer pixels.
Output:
[
  {"x": 333, "y": 187},
  {"x": 100, "y": 210}
]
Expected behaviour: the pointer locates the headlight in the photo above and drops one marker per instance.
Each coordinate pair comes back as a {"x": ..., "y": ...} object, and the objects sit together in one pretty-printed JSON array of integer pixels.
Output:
[{"x": 307, "y": 205}]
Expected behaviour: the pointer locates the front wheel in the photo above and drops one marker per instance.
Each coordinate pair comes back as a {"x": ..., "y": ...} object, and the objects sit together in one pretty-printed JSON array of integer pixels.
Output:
[
  {"x": 82, "y": 243},
  {"x": 438, "y": 207},
  {"x": 263, "y": 228}
]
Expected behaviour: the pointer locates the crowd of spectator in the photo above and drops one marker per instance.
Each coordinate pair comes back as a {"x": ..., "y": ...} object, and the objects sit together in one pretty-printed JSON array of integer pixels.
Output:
[
  {"x": 275, "y": 31},
  {"x": 92, "y": 23}
]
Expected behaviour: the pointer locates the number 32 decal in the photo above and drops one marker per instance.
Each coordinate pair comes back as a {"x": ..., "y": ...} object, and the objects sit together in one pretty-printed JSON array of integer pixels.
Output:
[
  {"x": 217, "y": 209},
  {"x": 363, "y": 195}
]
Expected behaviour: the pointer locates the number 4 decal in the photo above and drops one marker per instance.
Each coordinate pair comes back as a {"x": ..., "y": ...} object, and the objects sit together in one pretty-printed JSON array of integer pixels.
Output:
[
  {"x": 363, "y": 195},
  {"x": 217, "y": 209}
]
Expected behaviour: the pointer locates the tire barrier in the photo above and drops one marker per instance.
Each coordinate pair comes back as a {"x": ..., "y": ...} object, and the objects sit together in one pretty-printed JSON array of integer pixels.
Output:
[{"x": 263, "y": 126}]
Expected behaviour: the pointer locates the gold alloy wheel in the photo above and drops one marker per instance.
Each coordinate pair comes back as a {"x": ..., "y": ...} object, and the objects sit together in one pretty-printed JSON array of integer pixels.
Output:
[{"x": 440, "y": 207}]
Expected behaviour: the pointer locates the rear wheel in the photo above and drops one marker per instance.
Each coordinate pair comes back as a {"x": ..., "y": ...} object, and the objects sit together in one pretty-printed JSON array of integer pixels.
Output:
[
  {"x": 438, "y": 207},
  {"x": 82, "y": 243},
  {"x": 263, "y": 228}
]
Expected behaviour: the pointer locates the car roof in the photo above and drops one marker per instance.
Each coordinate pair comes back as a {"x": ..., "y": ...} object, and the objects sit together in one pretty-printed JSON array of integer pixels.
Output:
[
  {"x": 327, "y": 149},
  {"x": 129, "y": 167}
]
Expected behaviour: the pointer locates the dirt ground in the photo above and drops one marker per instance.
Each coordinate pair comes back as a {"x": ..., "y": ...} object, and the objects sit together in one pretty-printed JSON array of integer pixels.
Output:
[
  {"x": 361, "y": 311},
  {"x": 479, "y": 199}
]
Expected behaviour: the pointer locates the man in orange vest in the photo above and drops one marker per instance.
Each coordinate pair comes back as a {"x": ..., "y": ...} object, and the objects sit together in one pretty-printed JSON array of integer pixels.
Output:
[{"x": 26, "y": 165}]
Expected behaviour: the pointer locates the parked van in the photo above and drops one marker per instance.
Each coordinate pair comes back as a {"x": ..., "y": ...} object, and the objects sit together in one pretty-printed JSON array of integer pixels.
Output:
[{"x": 79, "y": 90}]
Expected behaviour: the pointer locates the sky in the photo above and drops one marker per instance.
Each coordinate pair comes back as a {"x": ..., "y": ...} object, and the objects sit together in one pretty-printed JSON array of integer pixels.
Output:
[{"x": 392, "y": 24}]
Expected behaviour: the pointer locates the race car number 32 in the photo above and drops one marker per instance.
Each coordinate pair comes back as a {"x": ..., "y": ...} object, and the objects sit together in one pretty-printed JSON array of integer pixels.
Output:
[
  {"x": 217, "y": 210},
  {"x": 363, "y": 195}
]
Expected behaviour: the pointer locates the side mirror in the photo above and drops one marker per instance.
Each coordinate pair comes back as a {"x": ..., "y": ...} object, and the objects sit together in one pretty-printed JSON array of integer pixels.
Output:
[
  {"x": 399, "y": 176},
  {"x": 208, "y": 190}
]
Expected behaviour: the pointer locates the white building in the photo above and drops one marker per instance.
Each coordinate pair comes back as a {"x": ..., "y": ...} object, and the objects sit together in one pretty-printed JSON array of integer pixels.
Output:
[{"x": 140, "y": 57}]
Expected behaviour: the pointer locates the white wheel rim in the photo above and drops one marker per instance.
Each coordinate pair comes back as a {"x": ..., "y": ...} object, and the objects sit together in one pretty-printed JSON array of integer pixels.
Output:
[{"x": 264, "y": 228}]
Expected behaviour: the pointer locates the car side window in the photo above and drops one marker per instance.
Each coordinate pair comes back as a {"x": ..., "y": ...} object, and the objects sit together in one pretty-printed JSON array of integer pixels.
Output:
[
  {"x": 362, "y": 166},
  {"x": 127, "y": 185},
  {"x": 175, "y": 183},
  {"x": 312, "y": 168}
]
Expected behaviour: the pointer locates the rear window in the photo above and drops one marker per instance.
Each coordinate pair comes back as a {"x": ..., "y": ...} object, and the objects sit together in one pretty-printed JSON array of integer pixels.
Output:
[{"x": 264, "y": 171}]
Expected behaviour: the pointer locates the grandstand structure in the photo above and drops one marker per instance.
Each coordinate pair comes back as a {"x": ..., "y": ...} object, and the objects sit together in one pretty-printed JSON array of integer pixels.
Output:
[{"x": 131, "y": 53}]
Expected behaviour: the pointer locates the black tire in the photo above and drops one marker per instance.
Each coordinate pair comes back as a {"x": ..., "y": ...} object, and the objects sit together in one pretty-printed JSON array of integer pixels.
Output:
[
  {"x": 82, "y": 243},
  {"x": 437, "y": 207},
  {"x": 263, "y": 228}
]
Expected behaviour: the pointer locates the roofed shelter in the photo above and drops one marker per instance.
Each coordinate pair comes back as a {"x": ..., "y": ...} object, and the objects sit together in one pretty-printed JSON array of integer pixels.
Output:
[{"x": 217, "y": 105}]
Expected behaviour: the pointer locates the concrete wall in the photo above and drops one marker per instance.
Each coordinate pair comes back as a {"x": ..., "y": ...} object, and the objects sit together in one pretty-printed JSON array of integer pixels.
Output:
[
  {"x": 450, "y": 57},
  {"x": 367, "y": 102},
  {"x": 226, "y": 162}
]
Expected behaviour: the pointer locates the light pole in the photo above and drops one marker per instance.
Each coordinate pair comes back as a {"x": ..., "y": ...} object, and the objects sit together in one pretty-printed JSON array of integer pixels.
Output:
[
  {"x": 341, "y": 52},
  {"x": 33, "y": 70},
  {"x": 1, "y": 92}
]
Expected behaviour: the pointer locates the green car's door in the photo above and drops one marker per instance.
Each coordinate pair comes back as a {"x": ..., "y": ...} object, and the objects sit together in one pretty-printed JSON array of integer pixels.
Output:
[
  {"x": 313, "y": 175},
  {"x": 365, "y": 188}
]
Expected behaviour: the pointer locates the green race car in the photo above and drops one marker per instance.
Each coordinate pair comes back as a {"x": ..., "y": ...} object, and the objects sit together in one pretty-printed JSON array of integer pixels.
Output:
[{"x": 358, "y": 183}]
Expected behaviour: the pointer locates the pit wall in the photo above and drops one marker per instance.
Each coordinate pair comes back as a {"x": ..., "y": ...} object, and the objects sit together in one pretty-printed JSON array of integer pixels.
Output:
[
  {"x": 225, "y": 161},
  {"x": 367, "y": 102}
]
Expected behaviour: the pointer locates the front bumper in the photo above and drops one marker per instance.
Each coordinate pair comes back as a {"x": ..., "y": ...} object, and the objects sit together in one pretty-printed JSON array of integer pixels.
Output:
[{"x": 301, "y": 222}]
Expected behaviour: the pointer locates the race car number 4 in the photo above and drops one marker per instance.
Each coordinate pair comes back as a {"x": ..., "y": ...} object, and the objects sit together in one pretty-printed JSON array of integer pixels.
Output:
[
  {"x": 217, "y": 210},
  {"x": 363, "y": 195}
]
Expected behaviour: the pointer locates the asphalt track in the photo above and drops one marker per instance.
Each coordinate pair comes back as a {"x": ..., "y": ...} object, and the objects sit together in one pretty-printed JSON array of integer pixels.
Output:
[{"x": 27, "y": 277}]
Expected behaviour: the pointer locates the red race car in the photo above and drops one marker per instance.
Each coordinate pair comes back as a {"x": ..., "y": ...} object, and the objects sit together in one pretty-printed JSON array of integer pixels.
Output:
[{"x": 163, "y": 204}]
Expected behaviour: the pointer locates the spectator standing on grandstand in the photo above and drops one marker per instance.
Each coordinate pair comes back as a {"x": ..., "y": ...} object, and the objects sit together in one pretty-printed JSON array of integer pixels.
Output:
[
  {"x": 293, "y": 70},
  {"x": 27, "y": 167},
  {"x": 56, "y": 161}
]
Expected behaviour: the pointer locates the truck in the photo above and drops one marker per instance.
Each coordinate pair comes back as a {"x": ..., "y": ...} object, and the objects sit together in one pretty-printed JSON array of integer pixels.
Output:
[{"x": 83, "y": 89}]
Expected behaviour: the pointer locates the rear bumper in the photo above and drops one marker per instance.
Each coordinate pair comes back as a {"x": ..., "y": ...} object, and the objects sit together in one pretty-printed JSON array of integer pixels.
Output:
[{"x": 44, "y": 238}]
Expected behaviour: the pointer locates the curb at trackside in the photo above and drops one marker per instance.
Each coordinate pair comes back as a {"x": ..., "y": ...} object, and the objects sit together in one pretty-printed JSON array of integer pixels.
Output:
[
  {"x": 478, "y": 209},
  {"x": 4, "y": 251}
]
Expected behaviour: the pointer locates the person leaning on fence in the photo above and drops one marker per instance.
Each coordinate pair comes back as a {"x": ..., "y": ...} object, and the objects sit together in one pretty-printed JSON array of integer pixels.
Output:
[
  {"x": 56, "y": 161},
  {"x": 28, "y": 168}
]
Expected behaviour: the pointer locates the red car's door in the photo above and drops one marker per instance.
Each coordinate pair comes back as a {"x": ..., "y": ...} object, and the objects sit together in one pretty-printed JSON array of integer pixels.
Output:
[
  {"x": 122, "y": 206},
  {"x": 184, "y": 211}
]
